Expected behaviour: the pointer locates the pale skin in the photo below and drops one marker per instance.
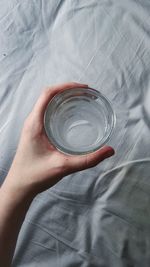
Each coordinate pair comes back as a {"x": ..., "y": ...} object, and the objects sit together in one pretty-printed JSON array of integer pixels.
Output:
[{"x": 37, "y": 166}]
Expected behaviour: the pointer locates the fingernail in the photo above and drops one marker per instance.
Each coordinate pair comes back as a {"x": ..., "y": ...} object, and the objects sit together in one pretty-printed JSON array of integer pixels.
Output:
[
  {"x": 110, "y": 153},
  {"x": 83, "y": 84}
]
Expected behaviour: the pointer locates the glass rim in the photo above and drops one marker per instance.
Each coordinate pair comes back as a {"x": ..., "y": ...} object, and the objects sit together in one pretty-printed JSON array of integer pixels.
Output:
[{"x": 104, "y": 139}]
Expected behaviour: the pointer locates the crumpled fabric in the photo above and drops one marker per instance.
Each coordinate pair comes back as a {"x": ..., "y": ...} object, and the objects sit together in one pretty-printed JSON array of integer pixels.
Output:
[{"x": 97, "y": 217}]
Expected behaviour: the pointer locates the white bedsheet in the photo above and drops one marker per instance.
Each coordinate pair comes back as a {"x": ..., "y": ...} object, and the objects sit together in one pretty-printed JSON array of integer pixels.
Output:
[{"x": 98, "y": 217}]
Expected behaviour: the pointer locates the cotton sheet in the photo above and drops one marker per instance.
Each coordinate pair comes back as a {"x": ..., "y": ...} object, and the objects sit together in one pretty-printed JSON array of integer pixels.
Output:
[{"x": 101, "y": 216}]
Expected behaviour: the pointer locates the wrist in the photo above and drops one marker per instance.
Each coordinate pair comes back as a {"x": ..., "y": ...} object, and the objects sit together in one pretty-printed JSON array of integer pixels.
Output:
[{"x": 14, "y": 193}]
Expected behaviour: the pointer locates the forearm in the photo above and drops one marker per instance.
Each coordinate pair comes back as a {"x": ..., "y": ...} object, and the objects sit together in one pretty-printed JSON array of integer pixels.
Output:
[{"x": 13, "y": 208}]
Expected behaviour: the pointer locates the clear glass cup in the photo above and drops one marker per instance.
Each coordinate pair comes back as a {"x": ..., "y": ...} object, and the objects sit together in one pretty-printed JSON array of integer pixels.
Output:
[{"x": 79, "y": 121}]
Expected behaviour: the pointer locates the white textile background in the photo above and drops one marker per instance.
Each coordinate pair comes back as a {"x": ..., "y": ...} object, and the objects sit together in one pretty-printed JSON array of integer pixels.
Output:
[{"x": 98, "y": 217}]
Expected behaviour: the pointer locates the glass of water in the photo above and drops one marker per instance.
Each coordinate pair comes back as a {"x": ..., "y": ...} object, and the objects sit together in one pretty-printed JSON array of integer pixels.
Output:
[{"x": 79, "y": 121}]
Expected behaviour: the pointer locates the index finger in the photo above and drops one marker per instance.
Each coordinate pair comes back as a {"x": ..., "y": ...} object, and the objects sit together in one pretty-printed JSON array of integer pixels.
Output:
[{"x": 47, "y": 95}]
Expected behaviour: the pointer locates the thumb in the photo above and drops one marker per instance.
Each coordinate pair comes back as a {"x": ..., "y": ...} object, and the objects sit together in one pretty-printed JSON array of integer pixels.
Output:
[{"x": 78, "y": 163}]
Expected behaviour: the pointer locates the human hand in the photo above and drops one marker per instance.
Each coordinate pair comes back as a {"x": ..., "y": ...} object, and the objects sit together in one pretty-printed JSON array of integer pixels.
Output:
[{"x": 37, "y": 164}]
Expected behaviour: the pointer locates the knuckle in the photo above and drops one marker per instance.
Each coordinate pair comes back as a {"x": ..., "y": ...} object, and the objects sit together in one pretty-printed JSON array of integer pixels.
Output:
[
  {"x": 65, "y": 166},
  {"x": 32, "y": 125},
  {"x": 47, "y": 90},
  {"x": 89, "y": 162},
  {"x": 65, "y": 163},
  {"x": 86, "y": 165}
]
